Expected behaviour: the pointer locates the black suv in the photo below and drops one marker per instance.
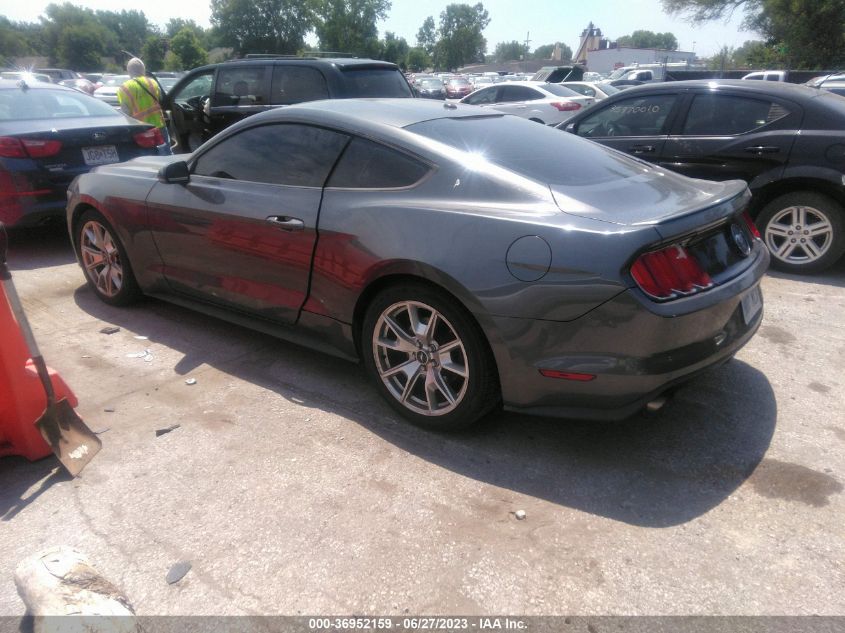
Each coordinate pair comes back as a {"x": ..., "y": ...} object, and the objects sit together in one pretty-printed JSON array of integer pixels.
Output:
[
  {"x": 211, "y": 98},
  {"x": 786, "y": 141}
]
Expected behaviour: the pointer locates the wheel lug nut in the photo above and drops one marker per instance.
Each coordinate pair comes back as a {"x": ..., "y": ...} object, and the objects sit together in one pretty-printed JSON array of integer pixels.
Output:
[
  {"x": 803, "y": 240},
  {"x": 806, "y": 232},
  {"x": 790, "y": 232},
  {"x": 792, "y": 240}
]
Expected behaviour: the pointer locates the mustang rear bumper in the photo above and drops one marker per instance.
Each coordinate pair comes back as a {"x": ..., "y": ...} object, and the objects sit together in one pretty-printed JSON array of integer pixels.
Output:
[{"x": 635, "y": 353}]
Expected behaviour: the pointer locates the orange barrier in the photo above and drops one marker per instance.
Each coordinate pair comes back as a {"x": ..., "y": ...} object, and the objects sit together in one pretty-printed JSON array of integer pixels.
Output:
[{"x": 22, "y": 397}]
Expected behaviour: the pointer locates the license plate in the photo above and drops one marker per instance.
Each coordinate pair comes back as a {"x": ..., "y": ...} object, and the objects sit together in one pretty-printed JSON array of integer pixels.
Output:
[
  {"x": 100, "y": 155},
  {"x": 752, "y": 303}
]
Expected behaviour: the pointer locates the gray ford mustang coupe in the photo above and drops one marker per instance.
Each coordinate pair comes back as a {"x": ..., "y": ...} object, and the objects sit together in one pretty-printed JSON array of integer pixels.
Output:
[{"x": 470, "y": 259}]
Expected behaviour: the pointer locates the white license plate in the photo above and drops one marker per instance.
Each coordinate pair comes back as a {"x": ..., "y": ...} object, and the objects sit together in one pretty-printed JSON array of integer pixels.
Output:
[
  {"x": 752, "y": 303},
  {"x": 100, "y": 155}
]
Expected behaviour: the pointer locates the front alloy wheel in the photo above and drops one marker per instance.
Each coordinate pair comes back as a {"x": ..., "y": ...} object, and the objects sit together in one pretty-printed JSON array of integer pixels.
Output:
[{"x": 420, "y": 358}]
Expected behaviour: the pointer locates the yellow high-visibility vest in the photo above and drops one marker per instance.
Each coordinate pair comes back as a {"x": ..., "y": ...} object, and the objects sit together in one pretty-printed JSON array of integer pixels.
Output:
[{"x": 142, "y": 96}]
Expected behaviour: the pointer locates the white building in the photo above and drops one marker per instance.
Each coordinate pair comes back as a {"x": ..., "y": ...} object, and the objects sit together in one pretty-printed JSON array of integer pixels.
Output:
[{"x": 605, "y": 60}]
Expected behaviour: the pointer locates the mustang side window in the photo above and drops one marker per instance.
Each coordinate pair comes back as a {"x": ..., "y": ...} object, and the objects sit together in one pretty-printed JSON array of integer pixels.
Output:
[
  {"x": 368, "y": 165},
  {"x": 280, "y": 154}
]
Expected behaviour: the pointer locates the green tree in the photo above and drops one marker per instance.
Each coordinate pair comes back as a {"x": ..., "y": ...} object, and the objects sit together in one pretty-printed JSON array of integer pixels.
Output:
[
  {"x": 79, "y": 47},
  {"x": 546, "y": 52},
  {"x": 268, "y": 26},
  {"x": 724, "y": 59},
  {"x": 649, "y": 39},
  {"x": 186, "y": 46},
  {"x": 13, "y": 41},
  {"x": 66, "y": 27},
  {"x": 807, "y": 33},
  {"x": 508, "y": 51},
  {"x": 349, "y": 26},
  {"x": 461, "y": 41},
  {"x": 153, "y": 52},
  {"x": 427, "y": 36},
  {"x": 130, "y": 29},
  {"x": 757, "y": 54},
  {"x": 418, "y": 59},
  {"x": 395, "y": 49}
]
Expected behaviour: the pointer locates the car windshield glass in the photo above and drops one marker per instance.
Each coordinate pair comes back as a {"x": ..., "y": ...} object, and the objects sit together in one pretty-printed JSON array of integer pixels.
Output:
[
  {"x": 376, "y": 82},
  {"x": 431, "y": 83},
  {"x": 458, "y": 82},
  {"x": 23, "y": 105},
  {"x": 560, "y": 91},
  {"x": 540, "y": 153}
]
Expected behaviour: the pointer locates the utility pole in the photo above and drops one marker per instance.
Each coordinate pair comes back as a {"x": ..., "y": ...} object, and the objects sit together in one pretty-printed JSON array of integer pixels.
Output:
[{"x": 525, "y": 51}]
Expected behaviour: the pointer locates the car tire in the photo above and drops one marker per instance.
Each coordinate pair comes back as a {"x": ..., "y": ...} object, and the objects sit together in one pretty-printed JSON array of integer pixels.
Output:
[
  {"x": 430, "y": 384},
  {"x": 104, "y": 262},
  {"x": 803, "y": 215}
]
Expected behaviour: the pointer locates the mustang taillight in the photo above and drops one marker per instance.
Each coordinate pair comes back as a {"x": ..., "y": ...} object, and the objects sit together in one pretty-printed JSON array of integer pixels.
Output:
[
  {"x": 149, "y": 138},
  {"x": 566, "y": 106},
  {"x": 669, "y": 273},
  {"x": 13, "y": 147},
  {"x": 755, "y": 232}
]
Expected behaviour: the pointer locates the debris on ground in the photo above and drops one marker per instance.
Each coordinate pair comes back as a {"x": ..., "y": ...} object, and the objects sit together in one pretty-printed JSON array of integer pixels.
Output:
[
  {"x": 166, "y": 430},
  {"x": 110, "y": 329},
  {"x": 147, "y": 355},
  {"x": 109, "y": 409},
  {"x": 519, "y": 514},
  {"x": 191, "y": 381},
  {"x": 62, "y": 581},
  {"x": 142, "y": 338},
  {"x": 177, "y": 572}
]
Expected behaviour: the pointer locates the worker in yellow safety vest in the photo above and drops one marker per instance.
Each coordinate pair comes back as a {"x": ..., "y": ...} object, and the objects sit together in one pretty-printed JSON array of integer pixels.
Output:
[{"x": 140, "y": 98}]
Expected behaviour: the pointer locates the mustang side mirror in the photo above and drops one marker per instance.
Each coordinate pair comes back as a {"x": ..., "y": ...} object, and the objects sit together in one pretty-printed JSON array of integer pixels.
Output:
[{"x": 175, "y": 173}]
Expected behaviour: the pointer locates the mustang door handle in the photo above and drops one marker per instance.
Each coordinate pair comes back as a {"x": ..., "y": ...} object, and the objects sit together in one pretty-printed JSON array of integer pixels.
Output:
[
  {"x": 763, "y": 149},
  {"x": 286, "y": 222},
  {"x": 641, "y": 149}
]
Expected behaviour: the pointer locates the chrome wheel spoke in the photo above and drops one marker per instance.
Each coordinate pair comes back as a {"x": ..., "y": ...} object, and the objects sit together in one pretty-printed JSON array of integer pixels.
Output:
[
  {"x": 812, "y": 250},
  {"x": 409, "y": 386},
  {"x": 433, "y": 383},
  {"x": 819, "y": 228},
  {"x": 408, "y": 368},
  {"x": 785, "y": 249},
  {"x": 460, "y": 370},
  {"x": 799, "y": 216},
  {"x": 778, "y": 229},
  {"x": 405, "y": 341}
]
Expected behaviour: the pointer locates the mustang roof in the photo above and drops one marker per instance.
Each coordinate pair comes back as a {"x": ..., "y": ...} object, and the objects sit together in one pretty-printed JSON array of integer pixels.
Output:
[{"x": 398, "y": 113}]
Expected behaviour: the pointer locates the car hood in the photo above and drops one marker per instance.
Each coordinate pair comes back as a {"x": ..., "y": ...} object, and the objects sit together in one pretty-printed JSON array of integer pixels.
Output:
[
  {"x": 647, "y": 198},
  {"x": 144, "y": 166}
]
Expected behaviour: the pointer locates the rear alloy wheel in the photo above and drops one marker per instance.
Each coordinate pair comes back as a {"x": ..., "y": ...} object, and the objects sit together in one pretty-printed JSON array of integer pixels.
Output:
[
  {"x": 104, "y": 260},
  {"x": 803, "y": 231},
  {"x": 429, "y": 359}
]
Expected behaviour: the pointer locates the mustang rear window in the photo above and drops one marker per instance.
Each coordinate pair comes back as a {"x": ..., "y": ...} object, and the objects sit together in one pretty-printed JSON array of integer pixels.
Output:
[{"x": 543, "y": 154}]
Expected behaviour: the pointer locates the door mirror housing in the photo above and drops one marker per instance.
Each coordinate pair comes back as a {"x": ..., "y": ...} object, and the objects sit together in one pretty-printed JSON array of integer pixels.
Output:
[{"x": 175, "y": 173}]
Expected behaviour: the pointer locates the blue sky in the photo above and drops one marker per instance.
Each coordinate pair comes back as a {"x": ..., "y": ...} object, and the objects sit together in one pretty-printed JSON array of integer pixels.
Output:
[{"x": 547, "y": 21}]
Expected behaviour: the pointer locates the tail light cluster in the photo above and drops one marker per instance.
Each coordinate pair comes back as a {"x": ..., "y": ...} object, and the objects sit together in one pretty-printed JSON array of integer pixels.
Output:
[
  {"x": 14, "y": 147},
  {"x": 566, "y": 106},
  {"x": 755, "y": 232},
  {"x": 149, "y": 138},
  {"x": 669, "y": 273},
  {"x": 674, "y": 271}
]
